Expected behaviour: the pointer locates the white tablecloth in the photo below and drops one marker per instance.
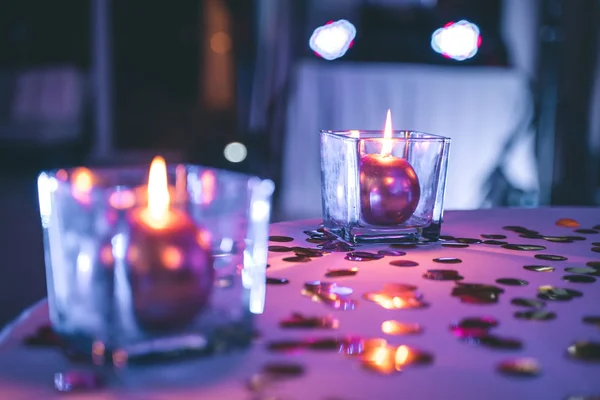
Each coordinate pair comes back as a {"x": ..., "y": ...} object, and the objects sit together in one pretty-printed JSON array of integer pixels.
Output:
[
  {"x": 460, "y": 371},
  {"x": 478, "y": 108}
]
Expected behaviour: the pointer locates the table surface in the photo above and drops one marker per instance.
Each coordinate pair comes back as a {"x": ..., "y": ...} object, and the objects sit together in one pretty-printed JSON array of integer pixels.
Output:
[{"x": 459, "y": 371}]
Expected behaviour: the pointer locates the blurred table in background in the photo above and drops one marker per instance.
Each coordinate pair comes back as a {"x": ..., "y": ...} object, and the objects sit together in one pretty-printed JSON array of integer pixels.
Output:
[{"x": 479, "y": 108}]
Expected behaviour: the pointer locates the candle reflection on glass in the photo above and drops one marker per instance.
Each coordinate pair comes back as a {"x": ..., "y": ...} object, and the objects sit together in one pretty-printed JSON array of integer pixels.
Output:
[{"x": 389, "y": 186}]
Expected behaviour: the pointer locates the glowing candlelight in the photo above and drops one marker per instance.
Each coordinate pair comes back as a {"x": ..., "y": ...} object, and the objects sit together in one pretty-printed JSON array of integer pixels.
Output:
[
  {"x": 387, "y": 143},
  {"x": 171, "y": 270},
  {"x": 389, "y": 186}
]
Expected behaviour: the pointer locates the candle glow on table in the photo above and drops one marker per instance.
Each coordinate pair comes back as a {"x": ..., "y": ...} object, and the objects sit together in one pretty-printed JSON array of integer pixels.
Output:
[
  {"x": 389, "y": 186},
  {"x": 170, "y": 265}
]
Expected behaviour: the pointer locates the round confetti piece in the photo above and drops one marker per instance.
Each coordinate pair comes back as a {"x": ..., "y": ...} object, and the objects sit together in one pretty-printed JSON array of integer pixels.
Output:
[
  {"x": 455, "y": 245},
  {"x": 579, "y": 278},
  {"x": 404, "y": 263},
  {"x": 442, "y": 275},
  {"x": 497, "y": 342},
  {"x": 583, "y": 270},
  {"x": 558, "y": 239},
  {"x": 592, "y": 320},
  {"x": 523, "y": 247},
  {"x": 297, "y": 259},
  {"x": 280, "y": 249},
  {"x": 557, "y": 294},
  {"x": 447, "y": 237},
  {"x": 363, "y": 256},
  {"x": 515, "y": 228},
  {"x": 512, "y": 282},
  {"x": 277, "y": 281},
  {"x": 520, "y": 367},
  {"x": 585, "y": 351},
  {"x": 391, "y": 253},
  {"x": 586, "y": 231},
  {"x": 494, "y": 242},
  {"x": 550, "y": 257},
  {"x": 468, "y": 240},
  {"x": 306, "y": 252},
  {"x": 342, "y": 272},
  {"x": 281, "y": 239},
  {"x": 447, "y": 260},
  {"x": 493, "y": 236},
  {"x": 392, "y": 327},
  {"x": 567, "y": 223},
  {"x": 539, "y": 268},
  {"x": 535, "y": 315},
  {"x": 593, "y": 264},
  {"x": 530, "y": 303}
]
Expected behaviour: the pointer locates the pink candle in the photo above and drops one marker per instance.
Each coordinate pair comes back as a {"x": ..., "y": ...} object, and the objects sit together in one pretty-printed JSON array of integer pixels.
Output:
[
  {"x": 169, "y": 260},
  {"x": 389, "y": 186}
]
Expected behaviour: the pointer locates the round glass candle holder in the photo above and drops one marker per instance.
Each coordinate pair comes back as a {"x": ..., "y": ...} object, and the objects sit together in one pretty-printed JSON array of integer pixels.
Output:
[
  {"x": 190, "y": 286},
  {"x": 394, "y": 197}
]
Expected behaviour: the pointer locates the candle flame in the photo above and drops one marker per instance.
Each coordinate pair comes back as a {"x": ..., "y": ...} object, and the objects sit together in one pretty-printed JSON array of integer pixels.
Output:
[
  {"x": 83, "y": 183},
  {"x": 158, "y": 190},
  {"x": 83, "y": 180},
  {"x": 386, "y": 145}
]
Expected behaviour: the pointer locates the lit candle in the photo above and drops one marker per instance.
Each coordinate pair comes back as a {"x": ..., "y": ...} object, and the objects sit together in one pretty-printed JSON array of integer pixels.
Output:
[
  {"x": 389, "y": 186},
  {"x": 168, "y": 259}
]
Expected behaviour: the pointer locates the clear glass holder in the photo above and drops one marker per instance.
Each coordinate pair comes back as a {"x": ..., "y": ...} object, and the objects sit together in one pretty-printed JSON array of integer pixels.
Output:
[
  {"x": 378, "y": 190},
  {"x": 118, "y": 285}
]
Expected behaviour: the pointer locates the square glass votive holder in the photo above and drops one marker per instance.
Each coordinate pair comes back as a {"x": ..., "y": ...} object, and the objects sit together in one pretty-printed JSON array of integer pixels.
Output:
[
  {"x": 383, "y": 190},
  {"x": 120, "y": 281}
]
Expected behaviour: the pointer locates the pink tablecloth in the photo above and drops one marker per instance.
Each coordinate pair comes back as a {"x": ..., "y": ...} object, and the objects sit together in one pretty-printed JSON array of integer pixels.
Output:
[{"x": 459, "y": 370}]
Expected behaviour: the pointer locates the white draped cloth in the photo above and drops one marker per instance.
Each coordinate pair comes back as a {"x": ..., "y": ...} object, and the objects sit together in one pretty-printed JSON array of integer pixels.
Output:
[{"x": 478, "y": 107}]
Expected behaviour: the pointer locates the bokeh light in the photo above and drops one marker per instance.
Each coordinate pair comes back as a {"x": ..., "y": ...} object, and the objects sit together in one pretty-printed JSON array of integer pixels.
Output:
[
  {"x": 458, "y": 41},
  {"x": 332, "y": 40},
  {"x": 235, "y": 152}
]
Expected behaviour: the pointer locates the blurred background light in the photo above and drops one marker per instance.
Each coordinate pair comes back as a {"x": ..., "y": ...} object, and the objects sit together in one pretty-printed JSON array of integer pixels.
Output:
[
  {"x": 235, "y": 152},
  {"x": 332, "y": 40},
  {"x": 458, "y": 41}
]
